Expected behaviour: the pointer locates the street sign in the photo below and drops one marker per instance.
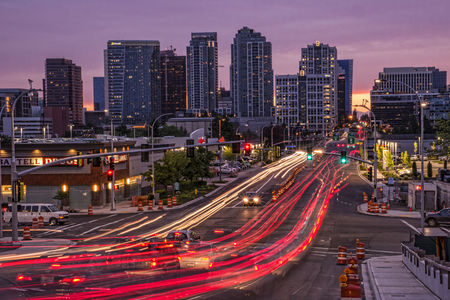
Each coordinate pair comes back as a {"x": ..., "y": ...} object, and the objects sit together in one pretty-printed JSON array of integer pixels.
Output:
[
  {"x": 176, "y": 186},
  {"x": 390, "y": 181}
]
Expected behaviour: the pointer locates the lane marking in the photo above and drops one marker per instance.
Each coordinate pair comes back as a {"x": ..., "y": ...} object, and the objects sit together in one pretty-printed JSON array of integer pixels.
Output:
[{"x": 114, "y": 222}]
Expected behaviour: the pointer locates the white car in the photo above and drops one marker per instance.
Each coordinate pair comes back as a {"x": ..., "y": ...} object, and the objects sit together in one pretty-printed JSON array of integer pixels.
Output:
[
  {"x": 200, "y": 256},
  {"x": 26, "y": 212}
]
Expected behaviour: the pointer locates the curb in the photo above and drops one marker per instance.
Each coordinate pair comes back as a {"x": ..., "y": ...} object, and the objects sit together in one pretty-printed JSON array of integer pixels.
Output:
[
  {"x": 364, "y": 212},
  {"x": 373, "y": 285}
]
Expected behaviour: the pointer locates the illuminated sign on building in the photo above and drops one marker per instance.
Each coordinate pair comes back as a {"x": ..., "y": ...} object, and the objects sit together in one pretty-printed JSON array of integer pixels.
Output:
[{"x": 36, "y": 161}]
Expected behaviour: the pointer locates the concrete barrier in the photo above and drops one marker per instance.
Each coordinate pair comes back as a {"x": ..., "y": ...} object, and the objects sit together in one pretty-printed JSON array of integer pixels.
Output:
[{"x": 433, "y": 275}]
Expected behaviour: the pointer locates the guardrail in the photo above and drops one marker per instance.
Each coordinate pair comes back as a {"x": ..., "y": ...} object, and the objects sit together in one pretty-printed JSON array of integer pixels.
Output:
[{"x": 434, "y": 275}]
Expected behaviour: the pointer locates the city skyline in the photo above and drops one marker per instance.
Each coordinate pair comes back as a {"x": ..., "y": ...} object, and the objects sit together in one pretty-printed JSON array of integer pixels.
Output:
[{"x": 367, "y": 33}]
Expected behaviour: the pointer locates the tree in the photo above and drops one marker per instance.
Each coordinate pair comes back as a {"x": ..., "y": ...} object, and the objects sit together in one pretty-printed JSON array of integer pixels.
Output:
[
  {"x": 63, "y": 197},
  {"x": 443, "y": 137},
  {"x": 168, "y": 170},
  {"x": 227, "y": 129},
  {"x": 415, "y": 147},
  {"x": 228, "y": 153},
  {"x": 389, "y": 159},
  {"x": 429, "y": 170},
  {"x": 406, "y": 160},
  {"x": 414, "y": 169},
  {"x": 198, "y": 166},
  {"x": 172, "y": 131}
]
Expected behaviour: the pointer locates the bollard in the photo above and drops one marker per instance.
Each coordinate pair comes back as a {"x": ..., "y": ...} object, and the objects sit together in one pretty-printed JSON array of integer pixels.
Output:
[
  {"x": 35, "y": 223},
  {"x": 160, "y": 207},
  {"x": 26, "y": 233},
  {"x": 342, "y": 255},
  {"x": 140, "y": 208},
  {"x": 174, "y": 200},
  {"x": 90, "y": 211},
  {"x": 169, "y": 202},
  {"x": 41, "y": 221}
]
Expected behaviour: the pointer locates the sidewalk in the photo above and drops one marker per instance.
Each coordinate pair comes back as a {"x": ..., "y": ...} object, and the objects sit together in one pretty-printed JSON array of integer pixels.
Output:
[
  {"x": 125, "y": 207},
  {"x": 386, "y": 277},
  {"x": 393, "y": 213},
  {"x": 31, "y": 248}
]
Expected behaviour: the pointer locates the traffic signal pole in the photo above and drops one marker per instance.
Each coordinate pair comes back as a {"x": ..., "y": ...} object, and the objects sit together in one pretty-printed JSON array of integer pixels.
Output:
[{"x": 111, "y": 164}]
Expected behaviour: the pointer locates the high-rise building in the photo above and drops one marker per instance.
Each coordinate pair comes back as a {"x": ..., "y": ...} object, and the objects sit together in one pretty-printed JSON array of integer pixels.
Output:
[
  {"x": 224, "y": 103},
  {"x": 64, "y": 87},
  {"x": 202, "y": 72},
  {"x": 133, "y": 81},
  {"x": 287, "y": 100},
  {"x": 318, "y": 65},
  {"x": 347, "y": 66},
  {"x": 173, "y": 82},
  {"x": 411, "y": 79},
  {"x": 251, "y": 75},
  {"x": 99, "y": 93},
  {"x": 341, "y": 107},
  {"x": 394, "y": 100}
]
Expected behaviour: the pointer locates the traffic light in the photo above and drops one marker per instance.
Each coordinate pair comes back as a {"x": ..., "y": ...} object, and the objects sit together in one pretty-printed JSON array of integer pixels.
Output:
[
  {"x": 418, "y": 187},
  {"x": 369, "y": 174},
  {"x": 236, "y": 147},
  {"x": 190, "y": 150},
  {"x": 4, "y": 207},
  {"x": 110, "y": 174},
  {"x": 247, "y": 149},
  {"x": 278, "y": 151},
  {"x": 309, "y": 156},
  {"x": 343, "y": 157},
  {"x": 21, "y": 190},
  {"x": 80, "y": 161}
]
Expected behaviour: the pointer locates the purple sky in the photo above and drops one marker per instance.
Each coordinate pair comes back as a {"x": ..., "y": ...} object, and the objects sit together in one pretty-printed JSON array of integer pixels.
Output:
[{"x": 375, "y": 34}]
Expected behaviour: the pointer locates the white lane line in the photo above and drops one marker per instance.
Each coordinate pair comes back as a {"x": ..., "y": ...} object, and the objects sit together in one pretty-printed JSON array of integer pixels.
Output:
[
  {"x": 114, "y": 222},
  {"x": 71, "y": 226}
]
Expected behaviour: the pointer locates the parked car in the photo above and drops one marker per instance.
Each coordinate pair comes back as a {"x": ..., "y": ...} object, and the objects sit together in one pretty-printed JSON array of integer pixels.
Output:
[
  {"x": 438, "y": 218},
  {"x": 26, "y": 212}
]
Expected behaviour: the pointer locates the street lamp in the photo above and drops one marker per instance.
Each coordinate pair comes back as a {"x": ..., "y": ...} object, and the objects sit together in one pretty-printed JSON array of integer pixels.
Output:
[
  {"x": 262, "y": 140},
  {"x": 153, "y": 162},
  {"x": 14, "y": 221},
  {"x": 374, "y": 150},
  {"x": 70, "y": 128},
  {"x": 422, "y": 180}
]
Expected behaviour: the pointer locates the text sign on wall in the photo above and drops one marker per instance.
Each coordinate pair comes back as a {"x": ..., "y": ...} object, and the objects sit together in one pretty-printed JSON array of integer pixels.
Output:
[{"x": 36, "y": 161}]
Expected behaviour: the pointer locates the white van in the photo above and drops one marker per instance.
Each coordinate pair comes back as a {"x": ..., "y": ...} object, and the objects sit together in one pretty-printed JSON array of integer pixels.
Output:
[{"x": 26, "y": 212}]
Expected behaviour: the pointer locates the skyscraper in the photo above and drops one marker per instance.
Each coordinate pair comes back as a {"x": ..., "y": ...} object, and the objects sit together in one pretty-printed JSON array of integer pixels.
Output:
[
  {"x": 99, "y": 93},
  {"x": 202, "y": 72},
  {"x": 133, "y": 84},
  {"x": 173, "y": 82},
  {"x": 318, "y": 64},
  {"x": 64, "y": 87},
  {"x": 347, "y": 66},
  {"x": 251, "y": 75},
  {"x": 286, "y": 97}
]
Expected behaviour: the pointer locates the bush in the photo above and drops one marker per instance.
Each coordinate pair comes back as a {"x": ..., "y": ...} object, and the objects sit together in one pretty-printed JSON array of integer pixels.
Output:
[{"x": 429, "y": 170}]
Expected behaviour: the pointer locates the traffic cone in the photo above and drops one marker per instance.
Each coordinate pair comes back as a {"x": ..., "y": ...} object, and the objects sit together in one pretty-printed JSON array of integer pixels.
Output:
[
  {"x": 140, "y": 208},
  {"x": 90, "y": 211},
  {"x": 360, "y": 251},
  {"x": 351, "y": 260},
  {"x": 388, "y": 205},
  {"x": 365, "y": 197},
  {"x": 160, "y": 207},
  {"x": 342, "y": 255},
  {"x": 35, "y": 223},
  {"x": 41, "y": 221},
  {"x": 383, "y": 208},
  {"x": 169, "y": 202},
  {"x": 26, "y": 233},
  {"x": 150, "y": 204},
  {"x": 174, "y": 200}
]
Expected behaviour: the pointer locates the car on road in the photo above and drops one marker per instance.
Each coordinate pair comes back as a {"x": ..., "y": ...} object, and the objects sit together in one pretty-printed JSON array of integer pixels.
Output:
[
  {"x": 251, "y": 198},
  {"x": 441, "y": 217},
  {"x": 182, "y": 236},
  {"x": 26, "y": 212},
  {"x": 201, "y": 258}
]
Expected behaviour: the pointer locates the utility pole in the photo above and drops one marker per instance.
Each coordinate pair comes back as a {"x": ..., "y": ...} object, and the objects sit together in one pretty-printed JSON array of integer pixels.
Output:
[{"x": 111, "y": 166}]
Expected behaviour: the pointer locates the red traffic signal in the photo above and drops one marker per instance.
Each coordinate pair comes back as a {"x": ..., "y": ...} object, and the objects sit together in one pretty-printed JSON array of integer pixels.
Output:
[
  {"x": 247, "y": 147},
  {"x": 418, "y": 187},
  {"x": 110, "y": 174}
]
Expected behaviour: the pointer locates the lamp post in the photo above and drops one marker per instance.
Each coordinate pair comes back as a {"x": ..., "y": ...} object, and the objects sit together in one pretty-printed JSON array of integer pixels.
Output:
[
  {"x": 111, "y": 163},
  {"x": 153, "y": 162},
  {"x": 70, "y": 129},
  {"x": 1, "y": 190},
  {"x": 375, "y": 168},
  {"x": 14, "y": 177},
  {"x": 262, "y": 141},
  {"x": 422, "y": 180}
]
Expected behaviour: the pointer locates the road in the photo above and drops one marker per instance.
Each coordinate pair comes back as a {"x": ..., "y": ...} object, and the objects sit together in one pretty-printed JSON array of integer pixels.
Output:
[{"x": 279, "y": 250}]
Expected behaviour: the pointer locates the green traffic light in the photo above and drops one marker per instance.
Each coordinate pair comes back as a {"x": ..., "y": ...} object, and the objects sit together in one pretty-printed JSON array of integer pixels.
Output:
[
  {"x": 309, "y": 157},
  {"x": 343, "y": 160}
]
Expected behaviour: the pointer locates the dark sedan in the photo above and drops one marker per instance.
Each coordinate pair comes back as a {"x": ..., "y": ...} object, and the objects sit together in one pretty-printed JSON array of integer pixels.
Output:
[{"x": 441, "y": 217}]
